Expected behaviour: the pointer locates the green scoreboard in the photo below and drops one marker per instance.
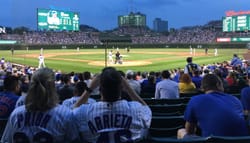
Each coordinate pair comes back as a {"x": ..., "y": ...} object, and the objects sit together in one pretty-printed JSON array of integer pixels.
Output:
[
  {"x": 48, "y": 19},
  {"x": 236, "y": 23}
]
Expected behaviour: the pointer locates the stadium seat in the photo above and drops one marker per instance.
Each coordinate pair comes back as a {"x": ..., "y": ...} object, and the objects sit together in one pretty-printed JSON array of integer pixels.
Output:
[
  {"x": 166, "y": 126},
  {"x": 189, "y": 94},
  {"x": 175, "y": 140},
  {"x": 230, "y": 139},
  {"x": 234, "y": 89},
  {"x": 168, "y": 109},
  {"x": 147, "y": 95},
  {"x": 237, "y": 95},
  {"x": 3, "y": 123},
  {"x": 151, "y": 101}
]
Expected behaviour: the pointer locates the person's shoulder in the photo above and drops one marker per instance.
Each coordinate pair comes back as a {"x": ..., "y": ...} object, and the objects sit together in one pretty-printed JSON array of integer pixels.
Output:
[
  {"x": 135, "y": 104},
  {"x": 67, "y": 101},
  {"x": 173, "y": 82},
  {"x": 9, "y": 95},
  {"x": 18, "y": 110},
  {"x": 245, "y": 89},
  {"x": 91, "y": 100},
  {"x": 61, "y": 110},
  {"x": 200, "y": 96}
]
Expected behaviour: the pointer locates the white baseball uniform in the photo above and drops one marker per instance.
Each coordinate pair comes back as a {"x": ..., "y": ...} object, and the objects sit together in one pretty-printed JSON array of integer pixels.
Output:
[
  {"x": 110, "y": 55},
  {"x": 41, "y": 61},
  {"x": 71, "y": 101},
  {"x": 55, "y": 125},
  {"x": 215, "y": 52},
  {"x": 113, "y": 122}
]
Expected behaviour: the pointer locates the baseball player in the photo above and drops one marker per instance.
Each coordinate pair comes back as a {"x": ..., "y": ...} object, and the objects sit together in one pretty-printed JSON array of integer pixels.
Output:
[
  {"x": 191, "y": 50},
  {"x": 215, "y": 52},
  {"x": 41, "y": 61},
  {"x": 110, "y": 55},
  {"x": 112, "y": 119},
  {"x": 117, "y": 57},
  {"x": 41, "y": 118},
  {"x": 12, "y": 51}
]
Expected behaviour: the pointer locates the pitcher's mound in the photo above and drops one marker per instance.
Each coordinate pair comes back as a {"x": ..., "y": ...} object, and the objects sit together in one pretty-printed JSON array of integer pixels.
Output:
[{"x": 125, "y": 63}]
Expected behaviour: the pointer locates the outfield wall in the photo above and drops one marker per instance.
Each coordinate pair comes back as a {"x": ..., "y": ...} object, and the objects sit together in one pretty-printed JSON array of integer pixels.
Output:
[{"x": 123, "y": 45}]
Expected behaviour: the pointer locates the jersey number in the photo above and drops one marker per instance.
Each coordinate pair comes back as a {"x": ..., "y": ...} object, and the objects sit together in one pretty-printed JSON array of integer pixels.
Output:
[
  {"x": 40, "y": 137},
  {"x": 121, "y": 136}
]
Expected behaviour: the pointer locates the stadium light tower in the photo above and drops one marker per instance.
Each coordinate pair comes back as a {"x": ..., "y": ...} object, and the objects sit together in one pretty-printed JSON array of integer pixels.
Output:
[{"x": 131, "y": 5}]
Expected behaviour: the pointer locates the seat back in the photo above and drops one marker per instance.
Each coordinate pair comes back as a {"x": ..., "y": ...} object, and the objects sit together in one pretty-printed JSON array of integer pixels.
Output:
[
  {"x": 189, "y": 94},
  {"x": 151, "y": 101},
  {"x": 147, "y": 95},
  {"x": 230, "y": 139},
  {"x": 166, "y": 126},
  {"x": 175, "y": 140},
  {"x": 3, "y": 123},
  {"x": 168, "y": 110}
]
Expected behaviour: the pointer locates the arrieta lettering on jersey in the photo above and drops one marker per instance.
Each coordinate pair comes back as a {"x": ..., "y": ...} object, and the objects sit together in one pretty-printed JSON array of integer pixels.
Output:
[
  {"x": 110, "y": 121},
  {"x": 33, "y": 119}
]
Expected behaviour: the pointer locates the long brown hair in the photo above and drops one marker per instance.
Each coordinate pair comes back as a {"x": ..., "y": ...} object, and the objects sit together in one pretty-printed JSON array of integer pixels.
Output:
[{"x": 42, "y": 94}]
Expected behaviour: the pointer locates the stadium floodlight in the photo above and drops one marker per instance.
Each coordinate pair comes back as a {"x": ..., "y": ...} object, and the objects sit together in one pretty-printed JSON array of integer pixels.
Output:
[{"x": 2, "y": 30}]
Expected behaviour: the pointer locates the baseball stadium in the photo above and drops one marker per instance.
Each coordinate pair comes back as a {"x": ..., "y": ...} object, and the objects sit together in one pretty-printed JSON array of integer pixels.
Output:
[
  {"x": 87, "y": 48},
  {"x": 190, "y": 84}
]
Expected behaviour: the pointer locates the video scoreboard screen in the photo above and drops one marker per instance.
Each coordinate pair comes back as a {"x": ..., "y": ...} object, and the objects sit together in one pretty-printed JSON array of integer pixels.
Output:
[
  {"x": 57, "y": 20},
  {"x": 236, "y": 23}
]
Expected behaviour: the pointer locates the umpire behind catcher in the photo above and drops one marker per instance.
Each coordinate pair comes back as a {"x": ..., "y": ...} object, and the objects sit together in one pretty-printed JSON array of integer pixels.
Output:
[{"x": 112, "y": 119}]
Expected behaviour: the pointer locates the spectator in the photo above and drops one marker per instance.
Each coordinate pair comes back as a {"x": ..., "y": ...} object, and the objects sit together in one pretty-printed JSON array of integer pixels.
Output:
[
  {"x": 66, "y": 91},
  {"x": 166, "y": 88},
  {"x": 245, "y": 100},
  {"x": 9, "y": 96},
  {"x": 196, "y": 79},
  {"x": 186, "y": 85},
  {"x": 214, "y": 112},
  {"x": 224, "y": 81},
  {"x": 41, "y": 118},
  {"x": 112, "y": 119},
  {"x": 191, "y": 67},
  {"x": 78, "y": 91},
  {"x": 24, "y": 90},
  {"x": 131, "y": 78},
  {"x": 236, "y": 61},
  {"x": 231, "y": 79},
  {"x": 149, "y": 87},
  {"x": 87, "y": 79}
]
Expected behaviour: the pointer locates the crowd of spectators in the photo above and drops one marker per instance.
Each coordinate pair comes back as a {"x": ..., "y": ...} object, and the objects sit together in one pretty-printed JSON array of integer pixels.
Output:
[
  {"x": 53, "y": 37},
  {"x": 16, "y": 80},
  {"x": 234, "y": 79},
  {"x": 139, "y": 35}
]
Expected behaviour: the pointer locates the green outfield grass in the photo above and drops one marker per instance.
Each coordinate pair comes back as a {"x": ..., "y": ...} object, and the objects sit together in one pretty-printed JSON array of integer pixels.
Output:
[{"x": 94, "y": 59}]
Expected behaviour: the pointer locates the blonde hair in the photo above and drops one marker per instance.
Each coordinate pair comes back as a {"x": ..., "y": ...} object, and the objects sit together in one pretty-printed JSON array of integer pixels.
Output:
[{"x": 42, "y": 94}]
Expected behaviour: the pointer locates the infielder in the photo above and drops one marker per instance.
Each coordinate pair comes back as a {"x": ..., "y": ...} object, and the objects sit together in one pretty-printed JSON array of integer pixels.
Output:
[
  {"x": 215, "y": 52},
  {"x": 191, "y": 50},
  {"x": 41, "y": 119},
  {"x": 112, "y": 119},
  {"x": 41, "y": 61}
]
